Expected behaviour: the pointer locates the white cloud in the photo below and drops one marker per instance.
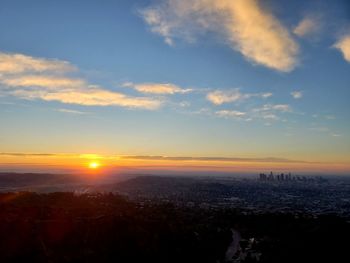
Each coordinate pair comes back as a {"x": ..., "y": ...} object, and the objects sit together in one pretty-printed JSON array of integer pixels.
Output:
[
  {"x": 266, "y": 95},
  {"x": 270, "y": 116},
  {"x": 296, "y": 94},
  {"x": 274, "y": 107},
  {"x": 219, "y": 97},
  {"x": 307, "y": 26},
  {"x": 156, "y": 88},
  {"x": 268, "y": 113},
  {"x": 37, "y": 78},
  {"x": 282, "y": 107},
  {"x": 271, "y": 112},
  {"x": 71, "y": 111},
  {"x": 343, "y": 44},
  {"x": 230, "y": 113},
  {"x": 244, "y": 24}
]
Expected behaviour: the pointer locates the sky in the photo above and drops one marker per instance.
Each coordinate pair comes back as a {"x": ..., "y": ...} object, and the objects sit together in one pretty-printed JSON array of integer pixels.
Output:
[{"x": 212, "y": 85}]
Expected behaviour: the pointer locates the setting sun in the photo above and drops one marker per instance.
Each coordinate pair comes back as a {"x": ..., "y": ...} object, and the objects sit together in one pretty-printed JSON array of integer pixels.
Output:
[{"x": 94, "y": 165}]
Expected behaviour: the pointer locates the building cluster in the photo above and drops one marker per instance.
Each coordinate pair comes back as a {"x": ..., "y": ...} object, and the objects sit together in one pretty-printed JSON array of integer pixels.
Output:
[{"x": 282, "y": 177}]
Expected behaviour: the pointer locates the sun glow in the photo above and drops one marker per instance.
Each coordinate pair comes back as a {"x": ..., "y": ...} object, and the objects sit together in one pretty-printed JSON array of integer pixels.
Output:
[{"x": 94, "y": 165}]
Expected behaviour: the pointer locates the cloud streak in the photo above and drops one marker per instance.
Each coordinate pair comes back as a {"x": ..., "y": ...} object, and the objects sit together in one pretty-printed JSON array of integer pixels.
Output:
[
  {"x": 230, "y": 114},
  {"x": 219, "y": 97},
  {"x": 69, "y": 111},
  {"x": 19, "y": 63},
  {"x": 274, "y": 107},
  {"x": 90, "y": 97},
  {"x": 266, "y": 113},
  {"x": 157, "y": 88},
  {"x": 244, "y": 25},
  {"x": 32, "y": 78},
  {"x": 271, "y": 112},
  {"x": 154, "y": 157},
  {"x": 47, "y": 82},
  {"x": 211, "y": 159}
]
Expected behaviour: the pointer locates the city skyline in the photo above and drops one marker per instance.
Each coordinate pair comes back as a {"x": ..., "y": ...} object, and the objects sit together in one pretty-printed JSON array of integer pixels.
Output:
[{"x": 233, "y": 86}]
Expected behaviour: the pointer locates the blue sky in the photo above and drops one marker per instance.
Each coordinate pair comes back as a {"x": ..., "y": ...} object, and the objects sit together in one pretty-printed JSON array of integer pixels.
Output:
[{"x": 179, "y": 78}]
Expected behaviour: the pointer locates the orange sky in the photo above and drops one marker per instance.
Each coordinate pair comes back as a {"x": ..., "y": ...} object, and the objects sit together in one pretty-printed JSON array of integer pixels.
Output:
[{"x": 80, "y": 163}]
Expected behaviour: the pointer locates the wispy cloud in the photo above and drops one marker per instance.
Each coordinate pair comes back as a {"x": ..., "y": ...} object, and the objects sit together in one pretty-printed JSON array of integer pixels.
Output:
[
  {"x": 307, "y": 26},
  {"x": 267, "y": 112},
  {"x": 47, "y": 82},
  {"x": 274, "y": 107},
  {"x": 37, "y": 78},
  {"x": 271, "y": 112},
  {"x": 297, "y": 94},
  {"x": 90, "y": 97},
  {"x": 266, "y": 95},
  {"x": 19, "y": 63},
  {"x": 319, "y": 128},
  {"x": 269, "y": 116},
  {"x": 219, "y": 97},
  {"x": 156, "y": 88},
  {"x": 335, "y": 135},
  {"x": 69, "y": 111},
  {"x": 154, "y": 157},
  {"x": 211, "y": 159},
  {"x": 27, "y": 154},
  {"x": 58, "y": 155},
  {"x": 245, "y": 25},
  {"x": 343, "y": 44},
  {"x": 230, "y": 114}
]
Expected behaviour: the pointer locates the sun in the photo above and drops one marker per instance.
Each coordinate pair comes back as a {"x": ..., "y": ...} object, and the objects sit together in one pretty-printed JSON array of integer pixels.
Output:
[{"x": 94, "y": 165}]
